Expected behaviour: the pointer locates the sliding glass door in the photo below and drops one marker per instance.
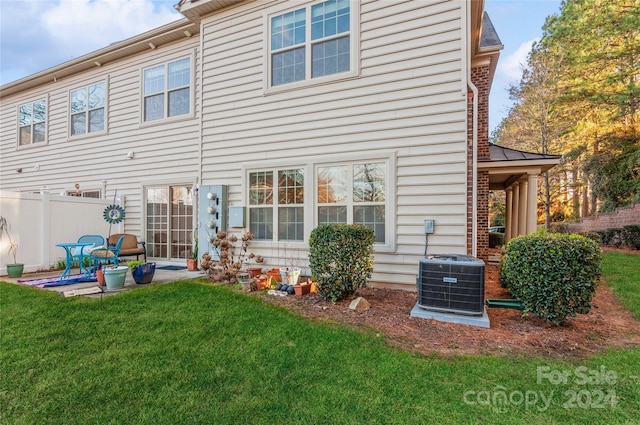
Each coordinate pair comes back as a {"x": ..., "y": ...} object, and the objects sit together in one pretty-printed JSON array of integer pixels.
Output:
[{"x": 169, "y": 221}]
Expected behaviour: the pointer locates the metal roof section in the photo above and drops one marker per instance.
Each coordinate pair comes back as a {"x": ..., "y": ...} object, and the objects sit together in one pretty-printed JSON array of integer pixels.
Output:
[
  {"x": 499, "y": 153},
  {"x": 506, "y": 165},
  {"x": 489, "y": 37}
]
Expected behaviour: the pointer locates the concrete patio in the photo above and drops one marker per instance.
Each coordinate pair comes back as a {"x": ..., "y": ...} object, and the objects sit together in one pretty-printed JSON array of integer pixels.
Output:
[{"x": 161, "y": 276}]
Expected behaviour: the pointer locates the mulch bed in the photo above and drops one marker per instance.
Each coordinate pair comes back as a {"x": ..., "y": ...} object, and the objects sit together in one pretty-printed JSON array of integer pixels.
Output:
[{"x": 608, "y": 325}]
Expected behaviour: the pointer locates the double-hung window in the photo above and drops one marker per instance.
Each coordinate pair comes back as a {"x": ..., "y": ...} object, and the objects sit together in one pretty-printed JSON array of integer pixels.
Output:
[
  {"x": 32, "y": 122},
  {"x": 353, "y": 193},
  {"x": 167, "y": 90},
  {"x": 87, "y": 109},
  {"x": 311, "y": 42},
  {"x": 276, "y": 204}
]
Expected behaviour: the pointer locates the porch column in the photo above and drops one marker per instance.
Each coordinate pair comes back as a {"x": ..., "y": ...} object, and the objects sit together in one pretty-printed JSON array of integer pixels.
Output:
[
  {"x": 508, "y": 214},
  {"x": 515, "y": 215},
  {"x": 532, "y": 204},
  {"x": 522, "y": 211}
]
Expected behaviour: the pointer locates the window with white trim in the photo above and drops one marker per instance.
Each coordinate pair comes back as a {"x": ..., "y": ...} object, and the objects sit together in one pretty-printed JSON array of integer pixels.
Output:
[
  {"x": 311, "y": 42},
  {"x": 32, "y": 122},
  {"x": 167, "y": 90},
  {"x": 87, "y": 109},
  {"x": 276, "y": 204},
  {"x": 354, "y": 194}
]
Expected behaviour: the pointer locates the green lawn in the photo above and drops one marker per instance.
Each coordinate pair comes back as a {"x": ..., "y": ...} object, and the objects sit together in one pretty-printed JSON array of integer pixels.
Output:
[
  {"x": 622, "y": 272},
  {"x": 190, "y": 352}
]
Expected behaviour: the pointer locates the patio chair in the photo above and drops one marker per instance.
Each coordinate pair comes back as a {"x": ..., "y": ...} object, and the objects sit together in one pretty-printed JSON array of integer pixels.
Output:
[
  {"x": 106, "y": 255},
  {"x": 96, "y": 241}
]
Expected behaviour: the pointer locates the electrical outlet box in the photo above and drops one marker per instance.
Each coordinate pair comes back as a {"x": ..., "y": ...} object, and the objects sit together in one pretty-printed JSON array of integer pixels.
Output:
[
  {"x": 428, "y": 226},
  {"x": 236, "y": 216}
]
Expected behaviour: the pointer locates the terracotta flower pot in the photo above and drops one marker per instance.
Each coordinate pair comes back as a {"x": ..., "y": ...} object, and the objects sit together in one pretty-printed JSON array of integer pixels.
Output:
[
  {"x": 302, "y": 289},
  {"x": 192, "y": 265},
  {"x": 254, "y": 272},
  {"x": 100, "y": 277},
  {"x": 262, "y": 283},
  {"x": 274, "y": 274}
]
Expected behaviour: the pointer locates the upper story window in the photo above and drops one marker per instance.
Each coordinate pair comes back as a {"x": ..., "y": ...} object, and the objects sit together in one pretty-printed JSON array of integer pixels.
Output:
[
  {"x": 87, "y": 109},
  {"x": 33, "y": 123},
  {"x": 311, "y": 42},
  {"x": 167, "y": 90}
]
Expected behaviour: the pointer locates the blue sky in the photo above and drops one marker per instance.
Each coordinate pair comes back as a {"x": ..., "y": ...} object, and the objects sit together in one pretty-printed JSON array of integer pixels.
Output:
[{"x": 38, "y": 34}]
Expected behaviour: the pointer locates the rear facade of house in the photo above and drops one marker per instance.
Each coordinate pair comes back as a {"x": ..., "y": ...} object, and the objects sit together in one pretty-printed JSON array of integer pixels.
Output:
[{"x": 281, "y": 115}]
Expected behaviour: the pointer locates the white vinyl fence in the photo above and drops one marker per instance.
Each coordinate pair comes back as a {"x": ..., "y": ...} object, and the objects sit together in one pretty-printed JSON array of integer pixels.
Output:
[{"x": 40, "y": 221}]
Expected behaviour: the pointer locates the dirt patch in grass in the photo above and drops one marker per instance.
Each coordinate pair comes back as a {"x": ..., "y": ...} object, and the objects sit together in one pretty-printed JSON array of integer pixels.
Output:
[{"x": 608, "y": 325}]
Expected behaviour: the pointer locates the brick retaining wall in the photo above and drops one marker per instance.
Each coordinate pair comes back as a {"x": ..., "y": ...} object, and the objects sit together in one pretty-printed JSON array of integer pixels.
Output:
[{"x": 614, "y": 220}]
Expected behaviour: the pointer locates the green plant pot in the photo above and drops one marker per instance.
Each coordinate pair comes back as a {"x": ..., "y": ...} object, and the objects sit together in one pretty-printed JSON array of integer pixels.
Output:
[
  {"x": 114, "y": 277},
  {"x": 15, "y": 270}
]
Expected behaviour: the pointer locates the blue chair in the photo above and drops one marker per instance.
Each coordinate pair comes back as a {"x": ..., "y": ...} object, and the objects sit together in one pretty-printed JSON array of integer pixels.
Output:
[
  {"x": 80, "y": 253},
  {"x": 106, "y": 255}
]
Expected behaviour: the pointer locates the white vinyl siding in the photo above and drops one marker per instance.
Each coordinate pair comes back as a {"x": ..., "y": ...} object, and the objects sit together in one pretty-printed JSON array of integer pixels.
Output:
[
  {"x": 406, "y": 106},
  {"x": 165, "y": 152},
  {"x": 403, "y": 103},
  {"x": 32, "y": 123}
]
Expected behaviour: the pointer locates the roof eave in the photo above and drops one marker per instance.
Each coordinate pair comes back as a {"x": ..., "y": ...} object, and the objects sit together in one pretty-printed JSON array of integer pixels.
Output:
[{"x": 174, "y": 31}]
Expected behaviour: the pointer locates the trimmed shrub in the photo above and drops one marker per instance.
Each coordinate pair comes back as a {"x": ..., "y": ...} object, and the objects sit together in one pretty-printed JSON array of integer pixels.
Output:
[
  {"x": 553, "y": 275},
  {"x": 496, "y": 240},
  {"x": 559, "y": 227},
  {"x": 612, "y": 237},
  {"x": 341, "y": 258},
  {"x": 630, "y": 236},
  {"x": 594, "y": 236}
]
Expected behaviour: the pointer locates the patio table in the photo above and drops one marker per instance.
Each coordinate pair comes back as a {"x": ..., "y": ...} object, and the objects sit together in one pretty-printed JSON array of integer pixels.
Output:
[{"x": 68, "y": 247}]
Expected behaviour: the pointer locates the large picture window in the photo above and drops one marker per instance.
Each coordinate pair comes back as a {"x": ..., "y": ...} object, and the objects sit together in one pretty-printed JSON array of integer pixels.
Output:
[
  {"x": 87, "y": 106},
  {"x": 311, "y": 42},
  {"x": 355, "y": 194},
  {"x": 276, "y": 204},
  {"x": 32, "y": 118},
  {"x": 167, "y": 90}
]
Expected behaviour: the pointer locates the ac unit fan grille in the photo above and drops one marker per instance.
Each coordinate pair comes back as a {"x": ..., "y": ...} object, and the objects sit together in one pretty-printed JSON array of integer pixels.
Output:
[{"x": 451, "y": 284}]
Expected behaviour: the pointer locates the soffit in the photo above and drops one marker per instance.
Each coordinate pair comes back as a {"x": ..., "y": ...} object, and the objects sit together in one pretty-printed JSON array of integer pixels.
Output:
[{"x": 195, "y": 9}]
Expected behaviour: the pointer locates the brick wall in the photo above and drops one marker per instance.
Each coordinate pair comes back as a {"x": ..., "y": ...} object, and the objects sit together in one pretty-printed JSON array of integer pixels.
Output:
[
  {"x": 480, "y": 78},
  {"x": 619, "y": 218}
]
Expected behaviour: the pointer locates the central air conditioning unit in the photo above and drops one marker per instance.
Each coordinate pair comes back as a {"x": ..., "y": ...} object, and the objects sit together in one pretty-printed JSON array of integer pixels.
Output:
[{"x": 451, "y": 283}]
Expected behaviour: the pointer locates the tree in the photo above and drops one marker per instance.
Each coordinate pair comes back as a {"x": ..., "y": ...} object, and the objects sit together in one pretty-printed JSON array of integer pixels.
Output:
[{"x": 598, "y": 43}]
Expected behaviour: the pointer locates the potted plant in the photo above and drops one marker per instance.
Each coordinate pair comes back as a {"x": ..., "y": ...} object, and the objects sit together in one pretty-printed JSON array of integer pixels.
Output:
[
  {"x": 142, "y": 271},
  {"x": 114, "y": 277},
  {"x": 15, "y": 269},
  {"x": 192, "y": 263}
]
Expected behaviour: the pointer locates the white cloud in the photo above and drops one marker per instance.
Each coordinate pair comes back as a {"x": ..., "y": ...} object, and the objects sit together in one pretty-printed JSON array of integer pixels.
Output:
[
  {"x": 84, "y": 26},
  {"x": 37, "y": 35},
  {"x": 512, "y": 65}
]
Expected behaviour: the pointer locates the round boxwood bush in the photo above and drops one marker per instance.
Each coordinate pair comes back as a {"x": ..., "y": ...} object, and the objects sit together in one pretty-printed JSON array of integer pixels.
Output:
[
  {"x": 341, "y": 258},
  {"x": 631, "y": 236},
  {"x": 553, "y": 275}
]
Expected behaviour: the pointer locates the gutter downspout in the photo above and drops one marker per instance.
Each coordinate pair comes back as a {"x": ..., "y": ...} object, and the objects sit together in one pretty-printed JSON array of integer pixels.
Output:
[
  {"x": 474, "y": 156},
  {"x": 200, "y": 85}
]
